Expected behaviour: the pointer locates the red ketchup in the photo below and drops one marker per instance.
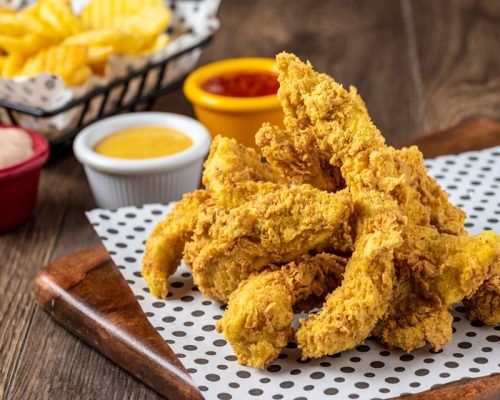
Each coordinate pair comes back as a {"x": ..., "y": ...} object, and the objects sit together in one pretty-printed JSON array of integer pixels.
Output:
[{"x": 242, "y": 84}]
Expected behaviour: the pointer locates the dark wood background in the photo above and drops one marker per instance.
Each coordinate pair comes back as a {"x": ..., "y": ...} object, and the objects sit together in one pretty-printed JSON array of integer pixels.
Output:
[{"x": 420, "y": 65}]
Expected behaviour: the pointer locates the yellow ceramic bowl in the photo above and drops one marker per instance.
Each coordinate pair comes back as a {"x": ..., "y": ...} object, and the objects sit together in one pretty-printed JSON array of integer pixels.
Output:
[{"x": 236, "y": 117}]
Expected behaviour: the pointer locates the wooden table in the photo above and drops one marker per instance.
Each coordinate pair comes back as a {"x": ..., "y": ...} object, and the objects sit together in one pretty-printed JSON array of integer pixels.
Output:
[{"x": 420, "y": 65}]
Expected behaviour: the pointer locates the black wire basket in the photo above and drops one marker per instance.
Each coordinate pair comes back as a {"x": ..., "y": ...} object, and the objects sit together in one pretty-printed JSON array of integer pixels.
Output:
[{"x": 125, "y": 102}]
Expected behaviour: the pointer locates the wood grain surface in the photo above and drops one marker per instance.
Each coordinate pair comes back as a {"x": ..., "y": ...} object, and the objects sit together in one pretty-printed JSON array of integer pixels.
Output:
[{"x": 421, "y": 65}]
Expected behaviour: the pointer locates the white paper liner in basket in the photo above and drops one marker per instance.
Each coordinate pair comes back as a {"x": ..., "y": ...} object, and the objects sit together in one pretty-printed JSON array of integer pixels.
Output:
[
  {"x": 192, "y": 22},
  {"x": 186, "y": 319}
]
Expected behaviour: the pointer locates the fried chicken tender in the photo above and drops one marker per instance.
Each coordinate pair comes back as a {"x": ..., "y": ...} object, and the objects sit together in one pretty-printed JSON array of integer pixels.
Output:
[
  {"x": 484, "y": 304},
  {"x": 234, "y": 172},
  {"x": 436, "y": 270},
  {"x": 165, "y": 244},
  {"x": 257, "y": 321},
  {"x": 279, "y": 146},
  {"x": 345, "y": 134},
  {"x": 351, "y": 312},
  {"x": 273, "y": 228}
]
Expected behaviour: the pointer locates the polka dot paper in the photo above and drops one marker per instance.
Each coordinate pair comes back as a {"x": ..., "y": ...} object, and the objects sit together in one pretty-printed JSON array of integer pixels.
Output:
[{"x": 186, "y": 320}]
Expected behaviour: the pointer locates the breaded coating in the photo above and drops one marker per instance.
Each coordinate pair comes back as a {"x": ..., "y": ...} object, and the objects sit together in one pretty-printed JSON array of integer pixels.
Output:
[
  {"x": 274, "y": 228},
  {"x": 413, "y": 322},
  {"x": 436, "y": 270},
  {"x": 296, "y": 158},
  {"x": 165, "y": 244},
  {"x": 345, "y": 134},
  {"x": 484, "y": 305},
  {"x": 257, "y": 321},
  {"x": 234, "y": 172},
  {"x": 351, "y": 312}
]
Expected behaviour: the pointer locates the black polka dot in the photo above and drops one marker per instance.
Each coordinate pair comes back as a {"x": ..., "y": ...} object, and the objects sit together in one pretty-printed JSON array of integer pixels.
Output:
[
  {"x": 465, "y": 345},
  {"x": 493, "y": 338},
  {"x": 451, "y": 364},
  {"x": 392, "y": 379},
  {"x": 286, "y": 384},
  {"x": 130, "y": 259},
  {"x": 273, "y": 368},
  {"x": 264, "y": 380},
  {"x": 444, "y": 375},
  {"x": 230, "y": 358},
  {"x": 414, "y": 384},
  {"x": 480, "y": 360},
  {"x": 458, "y": 355},
  {"x": 178, "y": 309},
  {"x": 422, "y": 372},
  {"x": 308, "y": 387},
  {"x": 208, "y": 328},
  {"x": 331, "y": 391},
  {"x": 428, "y": 360},
  {"x": 243, "y": 374},
  {"x": 177, "y": 284},
  {"x": 470, "y": 334},
  {"x": 277, "y": 396},
  {"x": 399, "y": 369},
  {"x": 377, "y": 364},
  {"x": 210, "y": 353},
  {"x": 121, "y": 245},
  {"x": 474, "y": 369},
  {"x": 339, "y": 379},
  {"x": 353, "y": 396},
  {"x": 325, "y": 364},
  {"x": 385, "y": 353},
  {"x": 190, "y": 347},
  {"x": 486, "y": 349},
  {"x": 159, "y": 304},
  {"x": 234, "y": 385},
  {"x": 224, "y": 396},
  {"x": 355, "y": 359},
  {"x": 255, "y": 392},
  {"x": 317, "y": 375},
  {"x": 212, "y": 377},
  {"x": 187, "y": 298},
  {"x": 199, "y": 338},
  {"x": 406, "y": 357},
  {"x": 203, "y": 388},
  {"x": 361, "y": 385},
  {"x": 219, "y": 342},
  {"x": 295, "y": 372},
  {"x": 363, "y": 348},
  {"x": 369, "y": 374},
  {"x": 206, "y": 302},
  {"x": 179, "y": 333}
]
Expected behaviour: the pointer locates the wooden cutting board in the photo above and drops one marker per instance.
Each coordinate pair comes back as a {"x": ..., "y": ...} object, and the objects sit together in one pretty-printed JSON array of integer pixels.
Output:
[{"x": 86, "y": 293}]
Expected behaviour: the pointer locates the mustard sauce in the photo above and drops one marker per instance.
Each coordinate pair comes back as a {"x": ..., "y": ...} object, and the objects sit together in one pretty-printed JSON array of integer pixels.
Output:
[{"x": 141, "y": 142}]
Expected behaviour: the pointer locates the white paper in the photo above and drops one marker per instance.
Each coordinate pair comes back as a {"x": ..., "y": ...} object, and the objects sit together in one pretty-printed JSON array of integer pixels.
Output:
[{"x": 186, "y": 319}]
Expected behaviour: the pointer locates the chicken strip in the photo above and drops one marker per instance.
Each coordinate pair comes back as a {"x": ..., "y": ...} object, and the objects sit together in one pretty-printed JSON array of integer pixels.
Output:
[
  {"x": 274, "y": 228},
  {"x": 351, "y": 312},
  {"x": 345, "y": 135},
  {"x": 234, "y": 172},
  {"x": 257, "y": 322},
  {"x": 484, "y": 304},
  {"x": 296, "y": 158},
  {"x": 165, "y": 244},
  {"x": 436, "y": 270}
]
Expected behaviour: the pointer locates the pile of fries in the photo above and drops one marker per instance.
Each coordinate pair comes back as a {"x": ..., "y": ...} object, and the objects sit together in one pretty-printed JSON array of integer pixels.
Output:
[{"x": 49, "y": 37}]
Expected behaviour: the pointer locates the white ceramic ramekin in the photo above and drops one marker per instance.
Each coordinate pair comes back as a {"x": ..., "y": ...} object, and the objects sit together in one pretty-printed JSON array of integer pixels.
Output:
[{"x": 120, "y": 182}]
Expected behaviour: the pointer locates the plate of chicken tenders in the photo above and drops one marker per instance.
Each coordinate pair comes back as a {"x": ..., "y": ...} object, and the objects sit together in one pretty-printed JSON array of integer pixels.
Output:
[{"x": 324, "y": 262}]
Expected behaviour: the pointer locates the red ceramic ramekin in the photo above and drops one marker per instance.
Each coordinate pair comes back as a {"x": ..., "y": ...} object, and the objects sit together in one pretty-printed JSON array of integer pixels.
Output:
[{"x": 19, "y": 184}]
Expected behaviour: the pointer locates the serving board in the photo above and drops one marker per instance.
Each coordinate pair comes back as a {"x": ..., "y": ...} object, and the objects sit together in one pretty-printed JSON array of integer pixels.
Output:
[{"x": 86, "y": 293}]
